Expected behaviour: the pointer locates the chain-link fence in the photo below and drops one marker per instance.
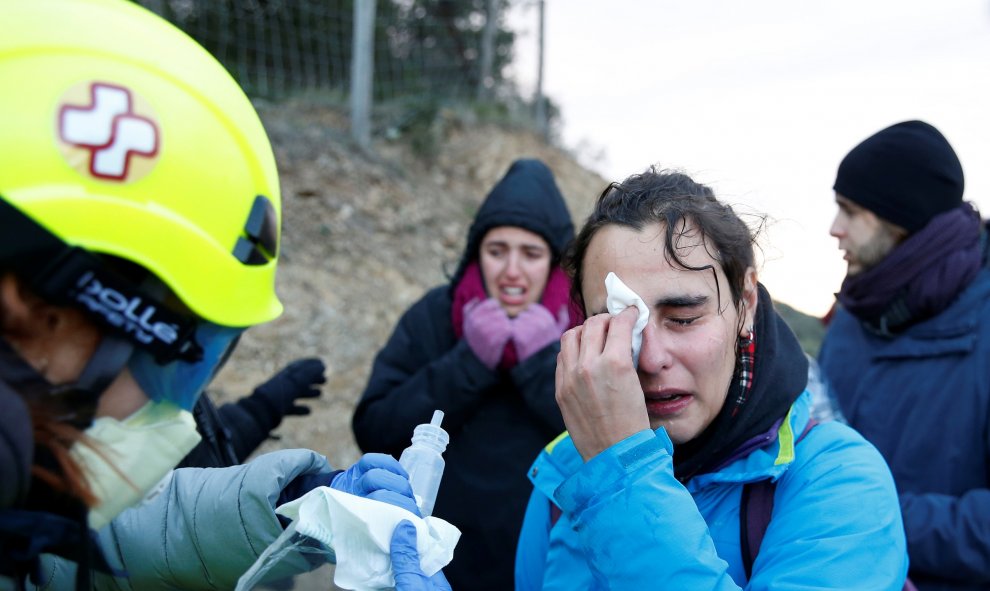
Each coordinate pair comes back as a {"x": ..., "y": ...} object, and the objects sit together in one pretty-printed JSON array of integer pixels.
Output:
[
  {"x": 273, "y": 48},
  {"x": 436, "y": 50}
]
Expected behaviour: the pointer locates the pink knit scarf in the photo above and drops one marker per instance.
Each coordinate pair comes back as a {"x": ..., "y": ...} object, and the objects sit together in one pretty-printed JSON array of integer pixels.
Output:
[{"x": 556, "y": 294}]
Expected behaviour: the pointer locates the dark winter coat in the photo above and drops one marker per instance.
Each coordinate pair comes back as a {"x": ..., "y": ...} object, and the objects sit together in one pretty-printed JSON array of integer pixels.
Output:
[
  {"x": 923, "y": 399},
  {"x": 498, "y": 421}
]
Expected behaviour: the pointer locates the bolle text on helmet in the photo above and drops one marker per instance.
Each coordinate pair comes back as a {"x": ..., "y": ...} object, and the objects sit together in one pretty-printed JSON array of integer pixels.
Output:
[{"x": 132, "y": 314}]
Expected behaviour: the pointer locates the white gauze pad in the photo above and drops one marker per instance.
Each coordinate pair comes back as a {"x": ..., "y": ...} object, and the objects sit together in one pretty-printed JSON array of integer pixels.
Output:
[{"x": 618, "y": 297}]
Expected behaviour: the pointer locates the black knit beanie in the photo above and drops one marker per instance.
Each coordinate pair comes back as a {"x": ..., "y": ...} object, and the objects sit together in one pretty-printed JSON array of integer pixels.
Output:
[{"x": 905, "y": 174}]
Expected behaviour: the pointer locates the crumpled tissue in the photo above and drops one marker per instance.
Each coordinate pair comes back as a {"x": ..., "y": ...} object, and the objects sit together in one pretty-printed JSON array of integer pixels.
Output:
[
  {"x": 618, "y": 297},
  {"x": 359, "y": 532}
]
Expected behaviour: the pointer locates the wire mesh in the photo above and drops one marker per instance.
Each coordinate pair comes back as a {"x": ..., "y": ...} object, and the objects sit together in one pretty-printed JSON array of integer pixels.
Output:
[{"x": 276, "y": 48}]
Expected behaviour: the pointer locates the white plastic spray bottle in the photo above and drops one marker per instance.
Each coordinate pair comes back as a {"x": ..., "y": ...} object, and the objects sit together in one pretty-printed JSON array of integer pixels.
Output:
[{"x": 423, "y": 462}]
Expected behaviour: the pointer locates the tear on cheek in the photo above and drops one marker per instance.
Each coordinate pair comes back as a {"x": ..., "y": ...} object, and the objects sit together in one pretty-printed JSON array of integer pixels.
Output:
[{"x": 717, "y": 342}]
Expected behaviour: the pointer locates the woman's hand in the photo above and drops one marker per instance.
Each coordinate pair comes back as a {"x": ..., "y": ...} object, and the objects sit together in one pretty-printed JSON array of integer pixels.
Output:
[
  {"x": 598, "y": 391},
  {"x": 535, "y": 328},
  {"x": 487, "y": 329}
]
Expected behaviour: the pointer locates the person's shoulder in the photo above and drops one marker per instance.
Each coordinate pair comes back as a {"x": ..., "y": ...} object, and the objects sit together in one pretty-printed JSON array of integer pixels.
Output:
[
  {"x": 978, "y": 292},
  {"x": 830, "y": 446},
  {"x": 436, "y": 300},
  {"x": 833, "y": 433},
  {"x": 437, "y": 292},
  {"x": 837, "y": 473},
  {"x": 424, "y": 329},
  {"x": 842, "y": 331},
  {"x": 840, "y": 320},
  {"x": 968, "y": 312}
]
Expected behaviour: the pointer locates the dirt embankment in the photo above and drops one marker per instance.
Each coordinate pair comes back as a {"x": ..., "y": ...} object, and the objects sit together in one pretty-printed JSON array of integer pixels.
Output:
[{"x": 363, "y": 238}]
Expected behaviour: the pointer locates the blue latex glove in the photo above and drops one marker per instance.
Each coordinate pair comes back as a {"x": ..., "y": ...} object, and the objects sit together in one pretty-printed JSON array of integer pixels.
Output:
[
  {"x": 405, "y": 563},
  {"x": 379, "y": 477}
]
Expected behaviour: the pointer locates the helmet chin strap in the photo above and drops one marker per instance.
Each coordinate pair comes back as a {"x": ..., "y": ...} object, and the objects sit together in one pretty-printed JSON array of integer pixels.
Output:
[
  {"x": 19, "y": 375},
  {"x": 73, "y": 403},
  {"x": 109, "y": 359}
]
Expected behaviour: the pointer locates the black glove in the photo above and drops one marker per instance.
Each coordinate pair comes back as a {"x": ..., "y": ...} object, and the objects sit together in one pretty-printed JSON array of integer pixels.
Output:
[{"x": 297, "y": 380}]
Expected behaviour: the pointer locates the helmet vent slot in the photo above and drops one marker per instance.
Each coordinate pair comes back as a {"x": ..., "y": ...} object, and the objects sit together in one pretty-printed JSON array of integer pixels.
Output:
[{"x": 259, "y": 244}]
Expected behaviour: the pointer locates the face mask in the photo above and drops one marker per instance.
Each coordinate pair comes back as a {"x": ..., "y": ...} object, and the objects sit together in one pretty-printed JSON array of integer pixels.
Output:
[{"x": 124, "y": 460}]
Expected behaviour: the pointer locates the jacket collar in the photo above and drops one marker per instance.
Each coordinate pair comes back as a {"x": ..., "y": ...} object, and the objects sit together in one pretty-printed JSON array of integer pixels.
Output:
[
  {"x": 769, "y": 461},
  {"x": 560, "y": 459}
]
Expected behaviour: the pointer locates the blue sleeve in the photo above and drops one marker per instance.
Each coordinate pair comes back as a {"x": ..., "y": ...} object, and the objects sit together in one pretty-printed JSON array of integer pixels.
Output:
[
  {"x": 949, "y": 537},
  {"x": 531, "y": 551}
]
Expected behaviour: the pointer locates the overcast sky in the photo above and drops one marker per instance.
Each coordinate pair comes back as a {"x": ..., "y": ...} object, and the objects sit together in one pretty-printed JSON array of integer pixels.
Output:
[{"x": 761, "y": 100}]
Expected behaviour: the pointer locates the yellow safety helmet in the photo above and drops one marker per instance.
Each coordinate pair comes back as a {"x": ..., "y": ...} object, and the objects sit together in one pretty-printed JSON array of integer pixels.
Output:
[{"x": 122, "y": 136}]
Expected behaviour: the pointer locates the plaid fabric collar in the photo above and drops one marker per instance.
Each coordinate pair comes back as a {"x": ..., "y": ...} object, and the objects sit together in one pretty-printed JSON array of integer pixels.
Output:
[{"x": 747, "y": 359}]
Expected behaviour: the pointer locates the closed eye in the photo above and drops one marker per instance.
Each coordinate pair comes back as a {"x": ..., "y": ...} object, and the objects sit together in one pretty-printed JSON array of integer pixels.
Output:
[
  {"x": 682, "y": 311},
  {"x": 496, "y": 250},
  {"x": 534, "y": 252}
]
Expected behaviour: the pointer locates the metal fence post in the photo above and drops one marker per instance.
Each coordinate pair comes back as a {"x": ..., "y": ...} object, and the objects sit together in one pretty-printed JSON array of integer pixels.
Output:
[
  {"x": 362, "y": 71},
  {"x": 541, "y": 104},
  {"x": 485, "y": 81},
  {"x": 156, "y": 6}
]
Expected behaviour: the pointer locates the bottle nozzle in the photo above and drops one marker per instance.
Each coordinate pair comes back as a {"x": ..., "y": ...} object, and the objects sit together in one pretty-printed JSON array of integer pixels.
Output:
[{"x": 437, "y": 418}]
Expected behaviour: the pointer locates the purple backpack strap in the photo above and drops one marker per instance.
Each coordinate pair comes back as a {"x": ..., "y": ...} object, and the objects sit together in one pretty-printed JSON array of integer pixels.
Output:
[
  {"x": 756, "y": 506},
  {"x": 555, "y": 513},
  {"x": 755, "y": 510}
]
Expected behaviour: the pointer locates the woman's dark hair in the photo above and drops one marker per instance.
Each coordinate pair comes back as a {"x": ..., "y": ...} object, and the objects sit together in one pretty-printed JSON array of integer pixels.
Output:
[
  {"x": 673, "y": 199},
  {"x": 53, "y": 437}
]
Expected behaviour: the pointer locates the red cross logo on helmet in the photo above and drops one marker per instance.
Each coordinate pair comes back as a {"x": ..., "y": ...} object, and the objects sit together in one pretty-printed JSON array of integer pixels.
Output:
[{"x": 110, "y": 130}]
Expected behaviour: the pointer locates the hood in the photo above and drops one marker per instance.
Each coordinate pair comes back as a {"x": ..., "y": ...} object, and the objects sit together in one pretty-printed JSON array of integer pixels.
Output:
[{"x": 527, "y": 197}]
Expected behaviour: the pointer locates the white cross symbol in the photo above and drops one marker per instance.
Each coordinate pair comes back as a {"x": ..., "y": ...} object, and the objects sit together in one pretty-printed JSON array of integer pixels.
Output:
[{"x": 109, "y": 130}]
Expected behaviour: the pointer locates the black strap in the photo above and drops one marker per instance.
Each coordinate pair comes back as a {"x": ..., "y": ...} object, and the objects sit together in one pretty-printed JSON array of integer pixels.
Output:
[
  {"x": 755, "y": 511},
  {"x": 64, "y": 275},
  {"x": 80, "y": 398},
  {"x": 216, "y": 448}
]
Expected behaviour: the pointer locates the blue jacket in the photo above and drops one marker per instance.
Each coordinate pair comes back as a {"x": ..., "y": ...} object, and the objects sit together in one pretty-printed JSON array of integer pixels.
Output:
[
  {"x": 627, "y": 523},
  {"x": 923, "y": 399}
]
